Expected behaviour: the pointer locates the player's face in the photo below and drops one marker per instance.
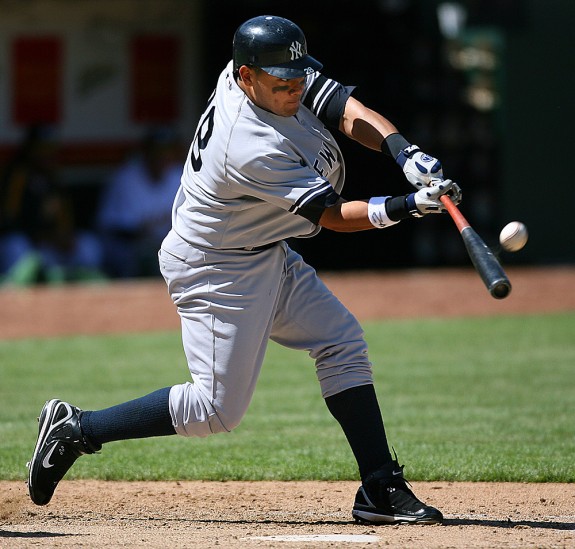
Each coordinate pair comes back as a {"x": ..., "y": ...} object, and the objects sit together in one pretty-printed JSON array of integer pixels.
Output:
[{"x": 282, "y": 97}]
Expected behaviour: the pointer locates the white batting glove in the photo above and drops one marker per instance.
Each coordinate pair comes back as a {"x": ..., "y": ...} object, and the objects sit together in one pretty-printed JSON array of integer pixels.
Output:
[
  {"x": 455, "y": 194},
  {"x": 419, "y": 168},
  {"x": 428, "y": 200}
]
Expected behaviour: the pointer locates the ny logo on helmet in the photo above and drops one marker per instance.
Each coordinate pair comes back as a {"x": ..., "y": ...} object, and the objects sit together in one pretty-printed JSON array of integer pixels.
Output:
[{"x": 296, "y": 51}]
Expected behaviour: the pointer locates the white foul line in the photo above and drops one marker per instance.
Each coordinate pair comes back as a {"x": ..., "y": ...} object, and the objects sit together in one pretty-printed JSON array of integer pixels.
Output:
[{"x": 311, "y": 537}]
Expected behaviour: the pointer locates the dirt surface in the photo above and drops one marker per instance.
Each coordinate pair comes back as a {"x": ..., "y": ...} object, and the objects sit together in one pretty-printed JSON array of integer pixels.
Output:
[
  {"x": 143, "y": 306},
  {"x": 235, "y": 515},
  {"x": 287, "y": 514}
]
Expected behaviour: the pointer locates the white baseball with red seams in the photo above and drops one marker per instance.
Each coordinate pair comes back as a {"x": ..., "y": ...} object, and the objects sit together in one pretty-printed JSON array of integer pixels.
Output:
[{"x": 513, "y": 236}]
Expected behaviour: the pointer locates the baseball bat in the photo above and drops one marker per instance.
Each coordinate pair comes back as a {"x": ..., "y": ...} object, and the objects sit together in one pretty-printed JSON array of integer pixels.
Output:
[{"x": 485, "y": 263}]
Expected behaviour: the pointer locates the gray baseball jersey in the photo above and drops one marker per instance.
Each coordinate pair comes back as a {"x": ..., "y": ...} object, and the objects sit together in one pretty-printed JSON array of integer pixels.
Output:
[{"x": 251, "y": 180}]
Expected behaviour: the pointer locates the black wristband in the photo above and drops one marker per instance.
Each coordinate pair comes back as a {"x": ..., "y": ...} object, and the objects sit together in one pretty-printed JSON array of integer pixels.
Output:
[
  {"x": 393, "y": 144},
  {"x": 402, "y": 207},
  {"x": 396, "y": 208}
]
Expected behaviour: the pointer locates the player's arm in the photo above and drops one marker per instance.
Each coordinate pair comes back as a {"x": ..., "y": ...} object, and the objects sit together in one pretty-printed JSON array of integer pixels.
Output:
[
  {"x": 376, "y": 132},
  {"x": 334, "y": 105},
  {"x": 346, "y": 216},
  {"x": 384, "y": 211},
  {"x": 365, "y": 126}
]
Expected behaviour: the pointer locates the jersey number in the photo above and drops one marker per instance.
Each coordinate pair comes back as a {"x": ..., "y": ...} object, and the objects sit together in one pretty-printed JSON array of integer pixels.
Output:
[{"x": 202, "y": 138}]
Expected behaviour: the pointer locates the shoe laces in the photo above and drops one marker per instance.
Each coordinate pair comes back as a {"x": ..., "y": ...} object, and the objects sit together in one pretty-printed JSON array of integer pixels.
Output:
[{"x": 389, "y": 479}]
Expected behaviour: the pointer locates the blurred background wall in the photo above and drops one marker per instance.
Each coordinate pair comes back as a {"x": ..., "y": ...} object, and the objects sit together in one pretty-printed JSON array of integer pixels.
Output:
[{"x": 487, "y": 86}]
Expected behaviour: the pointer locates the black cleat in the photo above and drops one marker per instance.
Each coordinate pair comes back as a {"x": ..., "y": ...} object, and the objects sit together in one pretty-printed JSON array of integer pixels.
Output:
[
  {"x": 60, "y": 443},
  {"x": 385, "y": 497}
]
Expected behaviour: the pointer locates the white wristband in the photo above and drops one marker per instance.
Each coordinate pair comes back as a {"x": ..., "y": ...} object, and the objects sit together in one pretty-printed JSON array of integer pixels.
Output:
[{"x": 377, "y": 213}]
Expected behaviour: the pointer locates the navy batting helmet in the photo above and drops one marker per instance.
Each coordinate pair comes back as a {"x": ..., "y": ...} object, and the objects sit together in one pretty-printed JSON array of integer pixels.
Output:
[{"x": 274, "y": 44}]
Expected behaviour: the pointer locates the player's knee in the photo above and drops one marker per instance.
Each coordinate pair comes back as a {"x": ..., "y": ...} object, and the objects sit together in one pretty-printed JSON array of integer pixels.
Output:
[
  {"x": 210, "y": 425},
  {"x": 340, "y": 354},
  {"x": 195, "y": 415},
  {"x": 226, "y": 420},
  {"x": 343, "y": 366}
]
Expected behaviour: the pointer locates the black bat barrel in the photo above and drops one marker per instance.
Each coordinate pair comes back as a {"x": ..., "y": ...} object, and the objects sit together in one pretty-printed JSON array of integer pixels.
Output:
[{"x": 486, "y": 264}]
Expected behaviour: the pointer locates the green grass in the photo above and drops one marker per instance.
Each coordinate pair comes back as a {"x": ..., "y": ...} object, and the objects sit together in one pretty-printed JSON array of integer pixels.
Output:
[{"x": 463, "y": 399}]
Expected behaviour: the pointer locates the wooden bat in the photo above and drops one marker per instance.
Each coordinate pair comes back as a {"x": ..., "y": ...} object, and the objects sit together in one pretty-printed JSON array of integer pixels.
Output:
[{"x": 485, "y": 263}]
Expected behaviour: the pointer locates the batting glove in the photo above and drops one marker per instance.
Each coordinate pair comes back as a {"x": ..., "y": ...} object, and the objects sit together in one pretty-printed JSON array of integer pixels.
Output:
[
  {"x": 428, "y": 200},
  {"x": 419, "y": 168},
  {"x": 455, "y": 194}
]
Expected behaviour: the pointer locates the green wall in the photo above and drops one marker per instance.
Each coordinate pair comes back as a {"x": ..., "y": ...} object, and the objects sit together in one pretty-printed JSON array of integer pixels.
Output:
[{"x": 538, "y": 123}]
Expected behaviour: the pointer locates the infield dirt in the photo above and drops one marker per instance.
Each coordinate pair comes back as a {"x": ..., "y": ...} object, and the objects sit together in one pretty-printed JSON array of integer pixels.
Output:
[
  {"x": 235, "y": 515},
  {"x": 281, "y": 514}
]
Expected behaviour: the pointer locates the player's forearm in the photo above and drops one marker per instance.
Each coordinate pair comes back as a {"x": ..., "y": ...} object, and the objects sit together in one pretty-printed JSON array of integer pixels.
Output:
[
  {"x": 364, "y": 125},
  {"x": 347, "y": 217},
  {"x": 385, "y": 211}
]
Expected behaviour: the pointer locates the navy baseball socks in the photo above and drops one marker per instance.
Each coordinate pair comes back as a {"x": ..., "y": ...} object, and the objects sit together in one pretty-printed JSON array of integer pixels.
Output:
[
  {"x": 65, "y": 433},
  {"x": 144, "y": 417},
  {"x": 384, "y": 496}
]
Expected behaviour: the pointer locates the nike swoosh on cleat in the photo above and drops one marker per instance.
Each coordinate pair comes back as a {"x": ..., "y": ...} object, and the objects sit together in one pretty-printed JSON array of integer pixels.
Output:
[{"x": 46, "y": 462}]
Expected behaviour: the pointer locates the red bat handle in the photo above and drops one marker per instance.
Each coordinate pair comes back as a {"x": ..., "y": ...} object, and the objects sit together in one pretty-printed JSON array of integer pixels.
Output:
[{"x": 455, "y": 214}]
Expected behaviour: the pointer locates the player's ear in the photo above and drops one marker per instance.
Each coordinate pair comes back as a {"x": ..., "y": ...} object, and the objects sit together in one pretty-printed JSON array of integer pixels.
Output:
[{"x": 246, "y": 74}]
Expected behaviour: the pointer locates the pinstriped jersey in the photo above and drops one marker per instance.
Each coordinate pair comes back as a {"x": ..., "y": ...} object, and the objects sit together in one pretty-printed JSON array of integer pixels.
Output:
[{"x": 251, "y": 177}]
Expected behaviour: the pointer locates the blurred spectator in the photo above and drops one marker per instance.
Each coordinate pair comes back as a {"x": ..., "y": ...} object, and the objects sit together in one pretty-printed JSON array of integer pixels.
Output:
[
  {"x": 135, "y": 210},
  {"x": 38, "y": 238}
]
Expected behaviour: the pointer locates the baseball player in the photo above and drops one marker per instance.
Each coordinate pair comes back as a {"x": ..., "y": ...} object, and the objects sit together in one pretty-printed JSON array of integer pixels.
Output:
[{"x": 264, "y": 166}]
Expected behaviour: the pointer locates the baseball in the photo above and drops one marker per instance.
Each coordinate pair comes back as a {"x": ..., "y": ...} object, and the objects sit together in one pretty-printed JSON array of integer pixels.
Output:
[{"x": 513, "y": 236}]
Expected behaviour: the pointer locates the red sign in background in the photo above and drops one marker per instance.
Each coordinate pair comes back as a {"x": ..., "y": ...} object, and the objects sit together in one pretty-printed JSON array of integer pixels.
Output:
[
  {"x": 37, "y": 69},
  {"x": 37, "y": 89},
  {"x": 155, "y": 75}
]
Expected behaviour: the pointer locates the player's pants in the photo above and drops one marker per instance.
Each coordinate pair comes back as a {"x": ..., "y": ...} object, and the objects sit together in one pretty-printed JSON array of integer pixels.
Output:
[{"x": 231, "y": 303}]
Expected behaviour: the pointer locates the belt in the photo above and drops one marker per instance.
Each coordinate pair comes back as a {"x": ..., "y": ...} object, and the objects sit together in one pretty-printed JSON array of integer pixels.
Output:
[{"x": 260, "y": 248}]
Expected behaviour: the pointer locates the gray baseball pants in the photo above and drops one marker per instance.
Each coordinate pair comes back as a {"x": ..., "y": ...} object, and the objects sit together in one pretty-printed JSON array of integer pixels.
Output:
[{"x": 231, "y": 302}]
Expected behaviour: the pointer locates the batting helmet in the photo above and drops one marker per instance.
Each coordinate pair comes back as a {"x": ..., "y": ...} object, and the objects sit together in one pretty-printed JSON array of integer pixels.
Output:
[{"x": 274, "y": 44}]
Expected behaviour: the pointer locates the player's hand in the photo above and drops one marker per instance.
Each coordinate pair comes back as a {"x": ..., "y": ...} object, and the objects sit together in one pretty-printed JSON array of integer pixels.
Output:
[
  {"x": 455, "y": 194},
  {"x": 419, "y": 168},
  {"x": 428, "y": 199}
]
